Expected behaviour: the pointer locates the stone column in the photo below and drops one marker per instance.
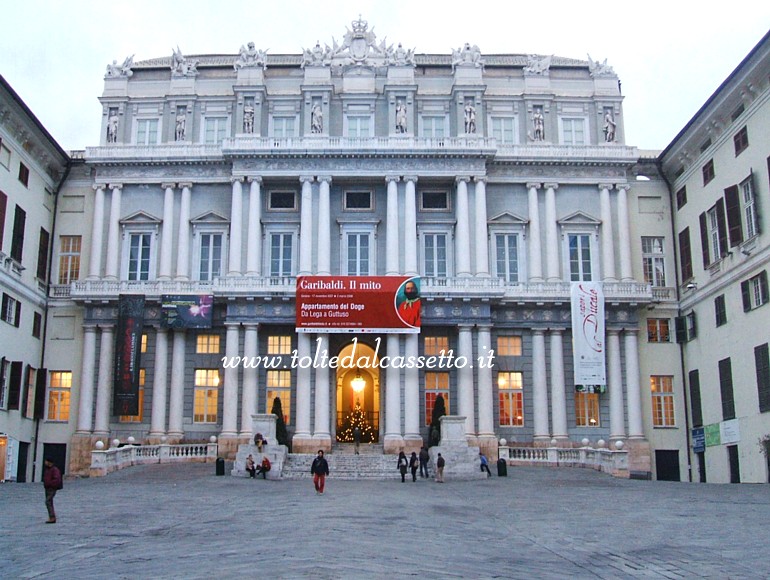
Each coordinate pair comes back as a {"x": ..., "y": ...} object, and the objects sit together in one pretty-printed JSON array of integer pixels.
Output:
[
  {"x": 254, "y": 248},
  {"x": 551, "y": 234},
  {"x": 465, "y": 406},
  {"x": 166, "y": 239},
  {"x": 230, "y": 390},
  {"x": 97, "y": 227},
  {"x": 392, "y": 441},
  {"x": 324, "y": 229},
  {"x": 410, "y": 227},
  {"x": 302, "y": 440},
  {"x": 635, "y": 425},
  {"x": 558, "y": 394},
  {"x": 306, "y": 230},
  {"x": 486, "y": 433},
  {"x": 183, "y": 240},
  {"x": 321, "y": 433},
  {"x": 160, "y": 385},
  {"x": 249, "y": 402},
  {"x": 176, "y": 397},
  {"x": 482, "y": 233},
  {"x": 412, "y": 438},
  {"x": 236, "y": 226},
  {"x": 539, "y": 387},
  {"x": 104, "y": 384},
  {"x": 86, "y": 403},
  {"x": 624, "y": 234},
  {"x": 113, "y": 234},
  {"x": 608, "y": 244},
  {"x": 615, "y": 386},
  {"x": 462, "y": 229},
  {"x": 392, "y": 227},
  {"x": 535, "y": 253}
]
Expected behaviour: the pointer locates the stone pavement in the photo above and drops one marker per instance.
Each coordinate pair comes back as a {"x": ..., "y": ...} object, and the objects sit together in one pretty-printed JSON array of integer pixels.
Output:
[{"x": 165, "y": 521}]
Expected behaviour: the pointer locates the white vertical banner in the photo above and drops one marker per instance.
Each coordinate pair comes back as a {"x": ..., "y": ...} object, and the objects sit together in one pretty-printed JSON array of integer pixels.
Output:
[{"x": 588, "y": 343}]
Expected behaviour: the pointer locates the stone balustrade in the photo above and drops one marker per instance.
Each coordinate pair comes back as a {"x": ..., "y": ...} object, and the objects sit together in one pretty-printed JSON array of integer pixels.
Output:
[
  {"x": 614, "y": 463},
  {"x": 116, "y": 458}
]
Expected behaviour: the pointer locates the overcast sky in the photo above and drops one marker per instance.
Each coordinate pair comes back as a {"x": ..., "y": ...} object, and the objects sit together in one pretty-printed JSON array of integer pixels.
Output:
[{"x": 670, "y": 56}]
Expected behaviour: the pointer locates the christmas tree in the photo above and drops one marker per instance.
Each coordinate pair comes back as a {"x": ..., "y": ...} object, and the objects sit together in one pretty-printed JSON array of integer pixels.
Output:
[{"x": 356, "y": 418}]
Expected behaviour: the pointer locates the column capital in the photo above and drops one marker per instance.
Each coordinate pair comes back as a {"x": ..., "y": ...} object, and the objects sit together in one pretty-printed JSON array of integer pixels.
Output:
[
  {"x": 232, "y": 325},
  {"x": 484, "y": 327},
  {"x": 325, "y": 179},
  {"x": 624, "y": 186},
  {"x": 254, "y": 179},
  {"x": 462, "y": 178},
  {"x": 533, "y": 185},
  {"x": 480, "y": 179},
  {"x": 606, "y": 186},
  {"x": 306, "y": 179},
  {"x": 105, "y": 326},
  {"x": 551, "y": 186},
  {"x": 98, "y": 186},
  {"x": 465, "y": 326},
  {"x": 116, "y": 186},
  {"x": 251, "y": 325},
  {"x": 185, "y": 186},
  {"x": 236, "y": 179},
  {"x": 394, "y": 178},
  {"x": 412, "y": 178},
  {"x": 613, "y": 331},
  {"x": 89, "y": 327},
  {"x": 168, "y": 185},
  {"x": 538, "y": 331}
]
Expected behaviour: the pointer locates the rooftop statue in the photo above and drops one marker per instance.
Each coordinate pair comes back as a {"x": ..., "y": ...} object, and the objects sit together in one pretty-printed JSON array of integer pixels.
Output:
[
  {"x": 181, "y": 66},
  {"x": 599, "y": 69},
  {"x": 250, "y": 58},
  {"x": 400, "y": 56},
  {"x": 537, "y": 64},
  {"x": 123, "y": 70},
  {"x": 316, "y": 56},
  {"x": 467, "y": 55}
]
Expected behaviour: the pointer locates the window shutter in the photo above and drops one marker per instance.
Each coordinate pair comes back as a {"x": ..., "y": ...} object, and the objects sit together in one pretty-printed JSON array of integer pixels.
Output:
[
  {"x": 695, "y": 402},
  {"x": 3, "y": 205},
  {"x": 733, "y": 208},
  {"x": 14, "y": 388},
  {"x": 42, "y": 255},
  {"x": 681, "y": 329},
  {"x": 693, "y": 324},
  {"x": 757, "y": 204},
  {"x": 722, "y": 227},
  {"x": 42, "y": 374},
  {"x": 745, "y": 293},
  {"x": 17, "y": 243},
  {"x": 17, "y": 322},
  {"x": 704, "y": 239},
  {"x": 763, "y": 286},
  {"x": 685, "y": 254}
]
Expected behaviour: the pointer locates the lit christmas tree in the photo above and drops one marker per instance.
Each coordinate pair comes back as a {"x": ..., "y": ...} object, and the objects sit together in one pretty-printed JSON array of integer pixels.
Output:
[{"x": 356, "y": 418}]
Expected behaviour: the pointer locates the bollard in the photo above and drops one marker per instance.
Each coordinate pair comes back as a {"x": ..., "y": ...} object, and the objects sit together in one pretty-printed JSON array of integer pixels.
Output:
[
  {"x": 220, "y": 466},
  {"x": 502, "y": 468}
]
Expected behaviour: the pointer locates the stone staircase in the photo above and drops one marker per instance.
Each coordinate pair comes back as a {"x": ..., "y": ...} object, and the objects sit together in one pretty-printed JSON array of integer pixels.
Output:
[{"x": 344, "y": 464}]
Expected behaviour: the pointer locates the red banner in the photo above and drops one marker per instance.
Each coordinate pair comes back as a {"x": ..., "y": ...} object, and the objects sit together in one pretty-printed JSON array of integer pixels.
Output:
[{"x": 382, "y": 304}]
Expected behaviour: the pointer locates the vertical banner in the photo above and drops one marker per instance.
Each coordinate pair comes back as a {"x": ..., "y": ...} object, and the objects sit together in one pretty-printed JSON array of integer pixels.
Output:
[
  {"x": 588, "y": 344},
  {"x": 128, "y": 347}
]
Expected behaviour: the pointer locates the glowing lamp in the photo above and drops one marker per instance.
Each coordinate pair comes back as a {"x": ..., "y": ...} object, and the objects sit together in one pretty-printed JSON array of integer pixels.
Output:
[{"x": 358, "y": 383}]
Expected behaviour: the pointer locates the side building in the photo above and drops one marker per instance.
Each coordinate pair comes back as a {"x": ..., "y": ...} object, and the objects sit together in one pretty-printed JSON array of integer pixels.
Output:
[
  {"x": 32, "y": 168},
  {"x": 498, "y": 179},
  {"x": 718, "y": 170}
]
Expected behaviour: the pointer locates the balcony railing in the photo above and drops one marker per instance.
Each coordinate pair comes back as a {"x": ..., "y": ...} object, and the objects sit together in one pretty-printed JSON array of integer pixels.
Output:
[
  {"x": 116, "y": 458},
  {"x": 155, "y": 153},
  {"x": 612, "y": 462}
]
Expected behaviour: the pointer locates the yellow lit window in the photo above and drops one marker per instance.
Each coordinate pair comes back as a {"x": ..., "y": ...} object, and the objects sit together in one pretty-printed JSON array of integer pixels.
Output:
[
  {"x": 207, "y": 344},
  {"x": 662, "y": 388},
  {"x": 511, "y": 394},
  {"x": 206, "y": 396},
  {"x": 279, "y": 385},
  {"x": 435, "y": 384},
  {"x": 587, "y": 409},
  {"x": 279, "y": 344},
  {"x": 508, "y": 346},
  {"x": 59, "y": 391},
  {"x": 436, "y": 345}
]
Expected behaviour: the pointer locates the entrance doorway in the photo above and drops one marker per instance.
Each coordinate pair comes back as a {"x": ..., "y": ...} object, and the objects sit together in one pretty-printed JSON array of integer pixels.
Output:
[
  {"x": 667, "y": 465},
  {"x": 358, "y": 393}
]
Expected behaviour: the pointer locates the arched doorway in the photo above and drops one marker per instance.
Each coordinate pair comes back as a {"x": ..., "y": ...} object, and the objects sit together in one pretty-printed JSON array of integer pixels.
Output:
[{"x": 358, "y": 393}]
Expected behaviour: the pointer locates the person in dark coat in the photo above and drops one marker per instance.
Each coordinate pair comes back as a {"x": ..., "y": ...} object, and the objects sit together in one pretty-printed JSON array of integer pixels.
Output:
[
  {"x": 413, "y": 464},
  {"x": 424, "y": 458},
  {"x": 52, "y": 482},
  {"x": 403, "y": 464},
  {"x": 440, "y": 469},
  {"x": 319, "y": 469},
  {"x": 357, "y": 438}
]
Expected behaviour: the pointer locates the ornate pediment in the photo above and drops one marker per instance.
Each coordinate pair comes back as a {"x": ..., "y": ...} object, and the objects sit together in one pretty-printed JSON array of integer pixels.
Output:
[
  {"x": 579, "y": 218},
  {"x": 140, "y": 218},
  {"x": 210, "y": 218},
  {"x": 507, "y": 218}
]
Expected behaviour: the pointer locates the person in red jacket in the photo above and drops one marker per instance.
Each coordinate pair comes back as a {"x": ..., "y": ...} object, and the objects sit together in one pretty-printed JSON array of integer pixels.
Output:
[{"x": 52, "y": 483}]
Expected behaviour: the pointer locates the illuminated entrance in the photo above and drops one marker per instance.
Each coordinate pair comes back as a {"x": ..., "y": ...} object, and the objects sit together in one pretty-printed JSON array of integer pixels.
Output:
[{"x": 358, "y": 393}]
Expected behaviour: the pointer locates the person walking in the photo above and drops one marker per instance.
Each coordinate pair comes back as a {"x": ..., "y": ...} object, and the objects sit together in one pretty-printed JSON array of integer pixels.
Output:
[
  {"x": 52, "y": 482},
  {"x": 440, "y": 463},
  {"x": 484, "y": 464},
  {"x": 424, "y": 458},
  {"x": 403, "y": 464},
  {"x": 319, "y": 469},
  {"x": 413, "y": 463},
  {"x": 357, "y": 438}
]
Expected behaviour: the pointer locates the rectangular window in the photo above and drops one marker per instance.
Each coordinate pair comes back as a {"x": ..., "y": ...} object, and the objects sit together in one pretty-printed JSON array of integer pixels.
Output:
[
  {"x": 762, "y": 365},
  {"x": 37, "y": 324},
  {"x": 662, "y": 388},
  {"x": 503, "y": 130},
  {"x": 215, "y": 130},
  {"x": 705, "y": 145},
  {"x": 435, "y": 246},
  {"x": 507, "y": 256},
  {"x": 681, "y": 198},
  {"x": 281, "y": 252},
  {"x": 42, "y": 255},
  {"x": 358, "y": 245},
  {"x": 653, "y": 261},
  {"x": 748, "y": 205},
  {"x": 737, "y": 112},
  {"x": 741, "y": 141},
  {"x": 147, "y": 132},
  {"x": 695, "y": 399},
  {"x": 17, "y": 241},
  {"x": 658, "y": 330},
  {"x": 14, "y": 385},
  {"x": 282, "y": 201},
  {"x": 508, "y": 346},
  {"x": 708, "y": 171},
  {"x": 434, "y": 201},
  {"x": 5, "y": 155},
  {"x": 24, "y": 174},
  {"x": 511, "y": 394},
  {"x": 11, "y": 310},
  {"x": 59, "y": 391},
  {"x": 139, "y": 256},
  {"x": 28, "y": 398},
  {"x": 283, "y": 127},
  {"x": 69, "y": 258},
  {"x": 5, "y": 367},
  {"x": 206, "y": 396},
  {"x": 359, "y": 126},
  {"x": 279, "y": 385},
  {"x": 720, "y": 310},
  {"x": 136, "y": 418},
  {"x": 435, "y": 384},
  {"x": 436, "y": 345},
  {"x": 587, "y": 409},
  {"x": 358, "y": 200},
  {"x": 713, "y": 234},
  {"x": 279, "y": 345},
  {"x": 210, "y": 266},
  {"x": 433, "y": 127},
  {"x": 573, "y": 131},
  {"x": 207, "y": 344},
  {"x": 713, "y": 231},
  {"x": 685, "y": 255},
  {"x": 754, "y": 291},
  {"x": 726, "y": 389},
  {"x": 580, "y": 257}
]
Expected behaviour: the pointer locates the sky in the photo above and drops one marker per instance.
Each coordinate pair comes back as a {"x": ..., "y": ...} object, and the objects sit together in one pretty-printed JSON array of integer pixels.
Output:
[{"x": 670, "y": 56}]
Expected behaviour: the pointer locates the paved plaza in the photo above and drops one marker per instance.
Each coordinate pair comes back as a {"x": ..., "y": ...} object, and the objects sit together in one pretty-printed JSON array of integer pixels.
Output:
[{"x": 163, "y": 521}]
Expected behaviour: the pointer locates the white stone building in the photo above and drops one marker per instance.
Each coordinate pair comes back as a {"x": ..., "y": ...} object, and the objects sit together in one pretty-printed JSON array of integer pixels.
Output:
[{"x": 499, "y": 179}]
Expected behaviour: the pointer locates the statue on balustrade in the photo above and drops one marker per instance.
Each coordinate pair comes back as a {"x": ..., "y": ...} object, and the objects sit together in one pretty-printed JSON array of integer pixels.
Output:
[
  {"x": 112, "y": 126},
  {"x": 250, "y": 58},
  {"x": 400, "y": 117},
  {"x": 609, "y": 127},
  {"x": 538, "y": 124},
  {"x": 470, "y": 118}
]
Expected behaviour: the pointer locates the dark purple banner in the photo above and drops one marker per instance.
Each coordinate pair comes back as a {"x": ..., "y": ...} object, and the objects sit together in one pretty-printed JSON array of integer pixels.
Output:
[{"x": 128, "y": 348}]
